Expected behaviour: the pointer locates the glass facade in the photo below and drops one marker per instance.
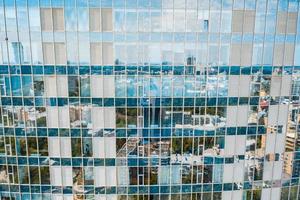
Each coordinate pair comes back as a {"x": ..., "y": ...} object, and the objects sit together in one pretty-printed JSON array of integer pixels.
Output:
[{"x": 150, "y": 99}]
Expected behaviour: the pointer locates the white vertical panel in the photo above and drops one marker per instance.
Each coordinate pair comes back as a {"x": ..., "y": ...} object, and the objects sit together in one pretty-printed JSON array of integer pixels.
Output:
[
  {"x": 237, "y": 21},
  {"x": 110, "y": 117},
  {"x": 244, "y": 85},
  {"x": 111, "y": 176},
  {"x": 178, "y": 3},
  {"x": 99, "y": 173},
  {"x": 175, "y": 174},
  {"x": 278, "y": 54},
  {"x": 110, "y": 147},
  {"x": 275, "y": 85},
  {"x": 231, "y": 115},
  {"x": 107, "y": 53},
  {"x": 52, "y": 117},
  {"x": 100, "y": 197},
  {"x": 273, "y": 114},
  {"x": 238, "y": 171},
  {"x": 60, "y": 53},
  {"x": 240, "y": 145},
  {"x": 270, "y": 143},
  {"x": 277, "y": 171},
  {"x": 54, "y": 146},
  {"x": 123, "y": 176},
  {"x": 48, "y": 53},
  {"x": 164, "y": 175},
  {"x": 55, "y": 176},
  {"x": 286, "y": 84},
  {"x": 237, "y": 194},
  {"x": 111, "y": 197},
  {"x": 46, "y": 19},
  {"x": 109, "y": 86},
  {"x": 58, "y": 19},
  {"x": 242, "y": 115},
  {"x": 246, "y": 57},
  {"x": 68, "y": 197},
  {"x": 65, "y": 147},
  {"x": 281, "y": 22},
  {"x": 266, "y": 194},
  {"x": 249, "y": 19},
  {"x": 239, "y": 85},
  {"x": 97, "y": 117},
  {"x": 292, "y": 23},
  {"x": 98, "y": 147},
  {"x": 229, "y": 145},
  {"x": 268, "y": 171},
  {"x": 235, "y": 55},
  {"x": 179, "y": 20},
  {"x": 64, "y": 117},
  {"x": 95, "y": 20},
  {"x": 272, "y": 170},
  {"x": 57, "y": 197},
  {"x": 107, "y": 19},
  {"x": 233, "y": 85},
  {"x": 67, "y": 178},
  {"x": 280, "y": 143},
  {"x": 228, "y": 173},
  {"x": 226, "y": 195},
  {"x": 167, "y": 21},
  {"x": 97, "y": 86},
  {"x": 283, "y": 114},
  {"x": 275, "y": 194},
  {"x": 50, "y": 86},
  {"x": 289, "y": 51},
  {"x": 62, "y": 86},
  {"x": 96, "y": 53}
]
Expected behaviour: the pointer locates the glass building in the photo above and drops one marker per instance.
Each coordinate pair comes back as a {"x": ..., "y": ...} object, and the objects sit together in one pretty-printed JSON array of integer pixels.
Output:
[{"x": 150, "y": 99}]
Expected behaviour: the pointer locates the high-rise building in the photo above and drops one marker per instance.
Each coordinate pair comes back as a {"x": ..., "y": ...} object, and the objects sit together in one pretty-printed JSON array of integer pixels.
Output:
[{"x": 150, "y": 99}]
